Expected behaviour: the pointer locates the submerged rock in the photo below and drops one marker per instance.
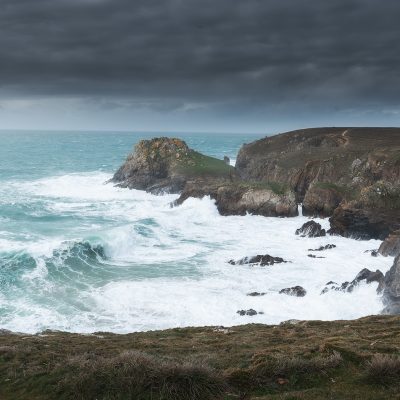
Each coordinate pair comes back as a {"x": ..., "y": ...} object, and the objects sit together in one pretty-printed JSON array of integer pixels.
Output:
[
  {"x": 391, "y": 245},
  {"x": 259, "y": 259},
  {"x": 311, "y": 229},
  {"x": 249, "y": 312},
  {"x": 364, "y": 275},
  {"x": 391, "y": 294},
  {"x": 255, "y": 294},
  {"x": 297, "y": 291},
  {"x": 314, "y": 256},
  {"x": 326, "y": 247}
]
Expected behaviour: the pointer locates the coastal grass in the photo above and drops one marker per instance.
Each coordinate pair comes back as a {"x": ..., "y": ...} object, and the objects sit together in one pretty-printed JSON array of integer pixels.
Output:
[
  {"x": 200, "y": 165},
  {"x": 302, "y": 360}
]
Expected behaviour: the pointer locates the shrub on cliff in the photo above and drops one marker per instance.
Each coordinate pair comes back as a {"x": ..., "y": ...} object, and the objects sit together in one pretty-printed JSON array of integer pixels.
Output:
[{"x": 139, "y": 376}]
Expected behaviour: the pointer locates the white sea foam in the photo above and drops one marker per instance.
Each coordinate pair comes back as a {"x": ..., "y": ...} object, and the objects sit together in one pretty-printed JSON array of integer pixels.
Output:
[{"x": 168, "y": 267}]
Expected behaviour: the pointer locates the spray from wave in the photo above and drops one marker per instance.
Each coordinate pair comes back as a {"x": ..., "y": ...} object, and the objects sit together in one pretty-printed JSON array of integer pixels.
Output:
[{"x": 93, "y": 257}]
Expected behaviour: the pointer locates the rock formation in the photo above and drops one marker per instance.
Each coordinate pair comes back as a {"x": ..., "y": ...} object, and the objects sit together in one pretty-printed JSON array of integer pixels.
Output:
[
  {"x": 391, "y": 245},
  {"x": 364, "y": 275},
  {"x": 261, "y": 260},
  {"x": 297, "y": 291},
  {"x": 391, "y": 294},
  {"x": 166, "y": 164},
  {"x": 350, "y": 174},
  {"x": 311, "y": 229}
]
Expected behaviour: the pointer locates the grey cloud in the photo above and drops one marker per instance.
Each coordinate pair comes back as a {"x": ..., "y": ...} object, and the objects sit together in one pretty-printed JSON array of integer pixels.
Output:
[{"x": 234, "y": 54}]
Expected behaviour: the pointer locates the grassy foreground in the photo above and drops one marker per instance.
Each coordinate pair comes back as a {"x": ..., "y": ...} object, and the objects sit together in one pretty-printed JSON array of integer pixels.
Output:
[{"x": 305, "y": 360}]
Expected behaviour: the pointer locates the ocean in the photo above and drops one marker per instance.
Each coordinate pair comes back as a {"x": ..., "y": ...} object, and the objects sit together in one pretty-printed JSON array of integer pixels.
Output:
[{"x": 80, "y": 255}]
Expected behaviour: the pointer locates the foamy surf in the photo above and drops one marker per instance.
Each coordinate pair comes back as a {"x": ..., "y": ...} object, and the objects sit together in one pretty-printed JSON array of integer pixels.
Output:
[{"x": 95, "y": 257}]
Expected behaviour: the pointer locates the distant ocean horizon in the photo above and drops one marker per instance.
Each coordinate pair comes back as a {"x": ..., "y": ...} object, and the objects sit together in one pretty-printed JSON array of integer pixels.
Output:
[{"x": 80, "y": 255}]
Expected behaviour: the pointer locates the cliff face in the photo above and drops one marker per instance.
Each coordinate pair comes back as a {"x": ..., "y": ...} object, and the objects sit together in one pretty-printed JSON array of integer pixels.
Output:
[{"x": 351, "y": 174}]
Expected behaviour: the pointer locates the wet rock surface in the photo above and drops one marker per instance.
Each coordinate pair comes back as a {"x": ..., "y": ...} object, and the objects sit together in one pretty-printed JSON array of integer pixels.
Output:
[
  {"x": 256, "y": 294},
  {"x": 297, "y": 291},
  {"x": 364, "y": 275},
  {"x": 249, "y": 312},
  {"x": 391, "y": 294},
  {"x": 322, "y": 248},
  {"x": 259, "y": 259},
  {"x": 311, "y": 229},
  {"x": 391, "y": 245}
]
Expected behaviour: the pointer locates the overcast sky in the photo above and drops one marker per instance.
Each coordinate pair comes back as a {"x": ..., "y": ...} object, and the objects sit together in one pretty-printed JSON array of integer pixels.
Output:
[{"x": 199, "y": 65}]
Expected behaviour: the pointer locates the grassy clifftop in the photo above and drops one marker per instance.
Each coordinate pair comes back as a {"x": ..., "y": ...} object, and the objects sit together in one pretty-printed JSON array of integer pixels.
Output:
[{"x": 304, "y": 360}]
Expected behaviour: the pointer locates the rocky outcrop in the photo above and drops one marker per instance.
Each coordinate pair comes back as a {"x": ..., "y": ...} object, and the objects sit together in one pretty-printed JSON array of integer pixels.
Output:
[
  {"x": 166, "y": 164},
  {"x": 249, "y": 312},
  {"x": 297, "y": 291},
  {"x": 261, "y": 260},
  {"x": 391, "y": 294},
  {"x": 363, "y": 223},
  {"x": 351, "y": 174},
  {"x": 322, "y": 248},
  {"x": 311, "y": 229},
  {"x": 391, "y": 245},
  {"x": 364, "y": 275}
]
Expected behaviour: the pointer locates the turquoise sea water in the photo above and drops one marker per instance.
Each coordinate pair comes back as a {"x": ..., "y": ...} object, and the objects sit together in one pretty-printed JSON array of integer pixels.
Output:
[{"x": 80, "y": 255}]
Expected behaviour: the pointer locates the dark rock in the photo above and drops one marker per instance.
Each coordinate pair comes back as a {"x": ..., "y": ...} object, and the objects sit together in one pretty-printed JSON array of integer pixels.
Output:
[
  {"x": 364, "y": 275},
  {"x": 374, "y": 253},
  {"x": 391, "y": 245},
  {"x": 261, "y": 260},
  {"x": 326, "y": 247},
  {"x": 391, "y": 294},
  {"x": 249, "y": 312},
  {"x": 364, "y": 223},
  {"x": 297, "y": 291},
  {"x": 314, "y": 256},
  {"x": 227, "y": 160},
  {"x": 254, "y": 294},
  {"x": 311, "y": 229}
]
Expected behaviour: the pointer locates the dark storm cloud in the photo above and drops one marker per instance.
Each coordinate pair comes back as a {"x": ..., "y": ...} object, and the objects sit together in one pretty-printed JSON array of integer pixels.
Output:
[{"x": 239, "y": 53}]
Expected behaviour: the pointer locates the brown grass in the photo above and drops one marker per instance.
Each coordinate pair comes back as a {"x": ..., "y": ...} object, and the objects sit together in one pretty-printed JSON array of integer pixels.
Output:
[
  {"x": 136, "y": 375},
  {"x": 383, "y": 369}
]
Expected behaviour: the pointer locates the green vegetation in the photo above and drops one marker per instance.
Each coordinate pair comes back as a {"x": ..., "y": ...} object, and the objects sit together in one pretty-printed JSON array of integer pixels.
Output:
[
  {"x": 197, "y": 164},
  {"x": 307, "y": 360}
]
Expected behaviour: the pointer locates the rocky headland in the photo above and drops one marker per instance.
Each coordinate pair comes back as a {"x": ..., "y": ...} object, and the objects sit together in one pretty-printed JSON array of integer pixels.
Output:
[{"x": 351, "y": 175}]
